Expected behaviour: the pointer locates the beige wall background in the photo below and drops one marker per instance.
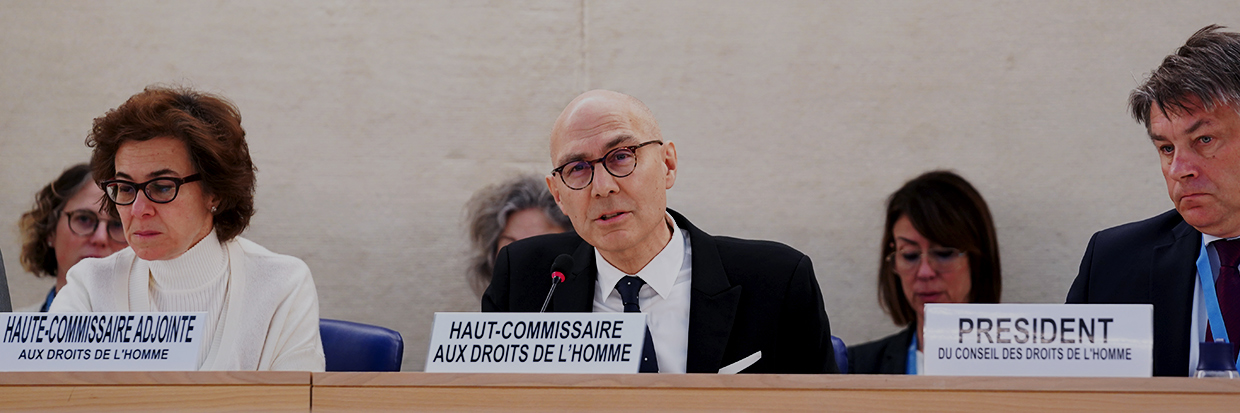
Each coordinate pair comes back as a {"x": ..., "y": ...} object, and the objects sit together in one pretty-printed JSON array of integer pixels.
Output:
[{"x": 373, "y": 122}]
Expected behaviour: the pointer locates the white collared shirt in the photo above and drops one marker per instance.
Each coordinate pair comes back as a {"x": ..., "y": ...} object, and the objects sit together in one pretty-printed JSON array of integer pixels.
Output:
[
  {"x": 664, "y": 298},
  {"x": 1196, "y": 329}
]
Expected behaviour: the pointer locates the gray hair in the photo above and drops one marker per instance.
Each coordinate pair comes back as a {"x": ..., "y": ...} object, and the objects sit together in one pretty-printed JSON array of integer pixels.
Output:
[
  {"x": 488, "y": 211},
  {"x": 1207, "y": 67}
]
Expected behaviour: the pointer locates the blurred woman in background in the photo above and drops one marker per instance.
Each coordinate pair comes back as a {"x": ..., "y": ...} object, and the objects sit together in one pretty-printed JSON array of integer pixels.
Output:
[
  {"x": 939, "y": 246},
  {"x": 518, "y": 208},
  {"x": 66, "y": 225}
]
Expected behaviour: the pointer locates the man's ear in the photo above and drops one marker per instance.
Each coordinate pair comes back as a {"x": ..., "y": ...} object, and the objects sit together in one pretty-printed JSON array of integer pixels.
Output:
[
  {"x": 669, "y": 161},
  {"x": 555, "y": 191}
]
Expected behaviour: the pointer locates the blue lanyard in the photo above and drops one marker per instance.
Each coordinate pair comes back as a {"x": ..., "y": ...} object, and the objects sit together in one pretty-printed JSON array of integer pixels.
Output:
[
  {"x": 47, "y": 304},
  {"x": 1217, "y": 328},
  {"x": 911, "y": 367}
]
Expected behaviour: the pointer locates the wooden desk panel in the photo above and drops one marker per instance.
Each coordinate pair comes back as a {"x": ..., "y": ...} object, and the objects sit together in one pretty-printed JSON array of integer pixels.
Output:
[
  {"x": 513, "y": 392},
  {"x": 291, "y": 391},
  {"x": 155, "y": 391}
]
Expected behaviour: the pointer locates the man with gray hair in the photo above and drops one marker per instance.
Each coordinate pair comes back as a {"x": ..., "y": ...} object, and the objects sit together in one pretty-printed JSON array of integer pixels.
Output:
[{"x": 1184, "y": 261}]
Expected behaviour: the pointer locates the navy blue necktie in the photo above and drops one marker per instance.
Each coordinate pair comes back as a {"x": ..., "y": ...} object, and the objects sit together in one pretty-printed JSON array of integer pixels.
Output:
[
  {"x": 628, "y": 288},
  {"x": 1228, "y": 289}
]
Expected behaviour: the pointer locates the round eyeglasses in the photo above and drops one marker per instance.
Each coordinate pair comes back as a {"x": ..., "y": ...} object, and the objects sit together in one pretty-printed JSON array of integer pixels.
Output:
[
  {"x": 85, "y": 222},
  {"x": 158, "y": 190},
  {"x": 941, "y": 259},
  {"x": 619, "y": 162}
]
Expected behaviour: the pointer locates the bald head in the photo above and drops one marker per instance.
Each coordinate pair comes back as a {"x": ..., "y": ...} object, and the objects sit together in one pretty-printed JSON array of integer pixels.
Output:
[
  {"x": 600, "y": 111},
  {"x": 621, "y": 212}
]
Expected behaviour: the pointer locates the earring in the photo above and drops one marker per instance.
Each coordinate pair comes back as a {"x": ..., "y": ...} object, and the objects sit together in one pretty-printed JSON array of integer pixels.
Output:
[{"x": 213, "y": 209}]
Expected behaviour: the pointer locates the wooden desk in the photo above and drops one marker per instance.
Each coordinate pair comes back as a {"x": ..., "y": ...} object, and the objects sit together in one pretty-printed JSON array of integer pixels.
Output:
[
  {"x": 699, "y": 392},
  {"x": 291, "y": 391},
  {"x": 155, "y": 391}
]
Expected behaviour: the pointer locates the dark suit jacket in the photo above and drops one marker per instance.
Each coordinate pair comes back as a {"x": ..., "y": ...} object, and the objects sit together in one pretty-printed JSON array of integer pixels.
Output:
[
  {"x": 888, "y": 355},
  {"x": 747, "y": 296},
  {"x": 1147, "y": 262}
]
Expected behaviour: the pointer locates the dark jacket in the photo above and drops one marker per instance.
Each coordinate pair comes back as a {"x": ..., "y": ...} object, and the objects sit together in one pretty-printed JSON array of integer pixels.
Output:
[
  {"x": 1147, "y": 262},
  {"x": 888, "y": 355},
  {"x": 747, "y": 296}
]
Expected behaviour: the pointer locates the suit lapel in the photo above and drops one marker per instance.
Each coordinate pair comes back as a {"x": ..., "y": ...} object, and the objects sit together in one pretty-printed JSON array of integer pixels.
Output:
[
  {"x": 712, "y": 304},
  {"x": 1171, "y": 292},
  {"x": 576, "y": 294}
]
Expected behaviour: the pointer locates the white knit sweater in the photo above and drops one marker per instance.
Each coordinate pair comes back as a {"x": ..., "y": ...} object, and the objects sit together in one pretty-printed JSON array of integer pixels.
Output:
[{"x": 262, "y": 308}]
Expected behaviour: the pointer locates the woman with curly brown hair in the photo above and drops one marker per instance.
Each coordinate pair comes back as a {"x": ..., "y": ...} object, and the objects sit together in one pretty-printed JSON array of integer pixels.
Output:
[
  {"x": 176, "y": 170},
  {"x": 65, "y": 226}
]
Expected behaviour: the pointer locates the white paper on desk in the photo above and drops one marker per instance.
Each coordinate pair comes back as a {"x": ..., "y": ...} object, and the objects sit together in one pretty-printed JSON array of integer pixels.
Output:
[{"x": 743, "y": 364}]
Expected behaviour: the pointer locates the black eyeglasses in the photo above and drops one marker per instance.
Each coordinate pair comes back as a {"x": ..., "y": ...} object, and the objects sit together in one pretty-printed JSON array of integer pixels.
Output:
[
  {"x": 941, "y": 259},
  {"x": 619, "y": 162},
  {"x": 158, "y": 190},
  {"x": 85, "y": 222}
]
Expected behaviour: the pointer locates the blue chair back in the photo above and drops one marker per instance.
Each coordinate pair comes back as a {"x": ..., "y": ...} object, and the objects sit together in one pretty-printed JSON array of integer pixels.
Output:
[
  {"x": 350, "y": 346},
  {"x": 841, "y": 354}
]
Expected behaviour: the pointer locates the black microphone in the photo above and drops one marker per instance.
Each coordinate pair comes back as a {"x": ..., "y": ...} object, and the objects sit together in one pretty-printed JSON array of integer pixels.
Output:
[{"x": 562, "y": 265}]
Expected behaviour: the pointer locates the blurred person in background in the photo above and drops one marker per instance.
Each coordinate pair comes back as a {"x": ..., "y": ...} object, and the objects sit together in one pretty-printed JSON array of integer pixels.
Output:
[
  {"x": 515, "y": 209},
  {"x": 939, "y": 246},
  {"x": 66, "y": 225}
]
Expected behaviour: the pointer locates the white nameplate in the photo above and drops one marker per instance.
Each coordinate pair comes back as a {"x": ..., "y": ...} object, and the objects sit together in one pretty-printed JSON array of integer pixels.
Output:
[
  {"x": 536, "y": 343},
  {"x": 100, "y": 341},
  {"x": 1077, "y": 340}
]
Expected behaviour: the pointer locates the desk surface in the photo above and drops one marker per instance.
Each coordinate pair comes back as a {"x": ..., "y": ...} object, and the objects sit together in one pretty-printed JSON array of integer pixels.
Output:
[
  {"x": 155, "y": 391},
  {"x": 292, "y": 391},
  {"x": 698, "y": 392}
]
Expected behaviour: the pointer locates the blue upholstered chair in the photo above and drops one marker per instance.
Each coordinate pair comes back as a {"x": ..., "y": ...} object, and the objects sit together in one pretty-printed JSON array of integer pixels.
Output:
[
  {"x": 841, "y": 354},
  {"x": 350, "y": 346}
]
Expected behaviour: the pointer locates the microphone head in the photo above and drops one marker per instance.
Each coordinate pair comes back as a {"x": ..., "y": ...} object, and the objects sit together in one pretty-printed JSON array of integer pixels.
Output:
[{"x": 562, "y": 265}]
